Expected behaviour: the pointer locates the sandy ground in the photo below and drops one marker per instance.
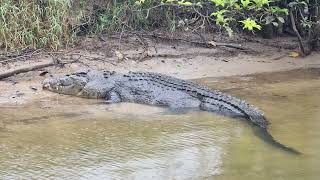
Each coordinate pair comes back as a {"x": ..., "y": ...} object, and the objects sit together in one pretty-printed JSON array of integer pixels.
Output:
[{"x": 180, "y": 59}]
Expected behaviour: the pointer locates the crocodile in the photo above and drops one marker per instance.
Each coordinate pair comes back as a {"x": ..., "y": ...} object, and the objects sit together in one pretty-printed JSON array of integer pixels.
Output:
[{"x": 159, "y": 90}]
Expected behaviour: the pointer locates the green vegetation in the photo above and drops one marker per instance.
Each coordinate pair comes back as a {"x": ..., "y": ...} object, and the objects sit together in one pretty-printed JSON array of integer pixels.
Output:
[
  {"x": 56, "y": 23},
  {"x": 35, "y": 23},
  {"x": 229, "y": 14}
]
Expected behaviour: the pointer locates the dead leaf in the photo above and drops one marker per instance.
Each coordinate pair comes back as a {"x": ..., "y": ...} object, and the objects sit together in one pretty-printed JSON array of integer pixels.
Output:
[
  {"x": 294, "y": 54},
  {"x": 212, "y": 43},
  {"x": 119, "y": 55}
]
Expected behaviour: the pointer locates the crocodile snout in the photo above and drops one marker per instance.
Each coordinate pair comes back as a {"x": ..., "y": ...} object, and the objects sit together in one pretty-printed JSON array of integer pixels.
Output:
[
  {"x": 45, "y": 86},
  {"x": 49, "y": 83}
]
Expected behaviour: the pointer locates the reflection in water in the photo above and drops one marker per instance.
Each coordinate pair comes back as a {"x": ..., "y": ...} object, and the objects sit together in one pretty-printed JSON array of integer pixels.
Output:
[{"x": 84, "y": 139}]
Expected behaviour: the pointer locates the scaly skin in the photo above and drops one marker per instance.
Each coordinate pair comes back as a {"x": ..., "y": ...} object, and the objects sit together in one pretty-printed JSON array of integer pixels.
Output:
[{"x": 159, "y": 90}]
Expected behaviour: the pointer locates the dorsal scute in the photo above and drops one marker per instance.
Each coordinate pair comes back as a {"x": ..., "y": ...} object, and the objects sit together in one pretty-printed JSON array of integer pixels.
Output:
[{"x": 194, "y": 89}]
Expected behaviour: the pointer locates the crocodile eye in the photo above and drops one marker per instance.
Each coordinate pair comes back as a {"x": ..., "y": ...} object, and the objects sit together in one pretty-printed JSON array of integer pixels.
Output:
[
  {"x": 65, "y": 81},
  {"x": 80, "y": 74}
]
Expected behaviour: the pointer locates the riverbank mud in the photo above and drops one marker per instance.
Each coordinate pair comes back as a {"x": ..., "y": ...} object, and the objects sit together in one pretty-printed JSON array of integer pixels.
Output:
[{"x": 187, "y": 60}]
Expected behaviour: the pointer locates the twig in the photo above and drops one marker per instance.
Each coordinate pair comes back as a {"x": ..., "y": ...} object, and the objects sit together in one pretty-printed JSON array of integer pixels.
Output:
[
  {"x": 120, "y": 38},
  {"x": 201, "y": 36}
]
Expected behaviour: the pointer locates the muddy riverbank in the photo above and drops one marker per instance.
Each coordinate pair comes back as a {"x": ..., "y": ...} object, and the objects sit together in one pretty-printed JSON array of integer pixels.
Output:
[{"x": 176, "y": 58}]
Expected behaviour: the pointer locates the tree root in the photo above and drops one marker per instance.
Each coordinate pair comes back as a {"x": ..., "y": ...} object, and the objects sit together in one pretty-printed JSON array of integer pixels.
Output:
[{"x": 294, "y": 27}]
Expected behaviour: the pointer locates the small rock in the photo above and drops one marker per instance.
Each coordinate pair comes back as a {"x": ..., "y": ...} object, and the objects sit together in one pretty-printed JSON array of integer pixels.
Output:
[
  {"x": 43, "y": 73},
  {"x": 163, "y": 61},
  {"x": 19, "y": 94},
  {"x": 33, "y": 88}
]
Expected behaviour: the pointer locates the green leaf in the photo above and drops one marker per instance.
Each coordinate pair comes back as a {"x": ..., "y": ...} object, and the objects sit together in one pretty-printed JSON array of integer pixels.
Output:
[
  {"x": 245, "y": 3},
  {"x": 261, "y": 3},
  {"x": 269, "y": 19},
  {"x": 219, "y": 2},
  {"x": 280, "y": 19},
  {"x": 250, "y": 24},
  {"x": 278, "y": 10},
  {"x": 275, "y": 24},
  {"x": 231, "y": 2},
  {"x": 182, "y": 3},
  {"x": 220, "y": 17}
]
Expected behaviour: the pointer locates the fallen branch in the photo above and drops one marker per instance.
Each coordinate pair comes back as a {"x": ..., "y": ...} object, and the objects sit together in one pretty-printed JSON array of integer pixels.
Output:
[
  {"x": 277, "y": 44},
  {"x": 25, "y": 69},
  {"x": 207, "y": 44}
]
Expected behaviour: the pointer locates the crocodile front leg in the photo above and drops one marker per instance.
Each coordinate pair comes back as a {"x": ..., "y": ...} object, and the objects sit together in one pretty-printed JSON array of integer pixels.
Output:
[{"x": 112, "y": 97}]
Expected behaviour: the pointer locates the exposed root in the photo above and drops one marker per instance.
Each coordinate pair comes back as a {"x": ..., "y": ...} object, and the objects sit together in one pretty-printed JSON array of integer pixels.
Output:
[{"x": 294, "y": 27}]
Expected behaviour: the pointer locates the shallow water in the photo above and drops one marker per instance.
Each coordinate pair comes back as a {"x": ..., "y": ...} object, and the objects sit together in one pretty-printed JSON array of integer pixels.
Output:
[{"x": 66, "y": 137}]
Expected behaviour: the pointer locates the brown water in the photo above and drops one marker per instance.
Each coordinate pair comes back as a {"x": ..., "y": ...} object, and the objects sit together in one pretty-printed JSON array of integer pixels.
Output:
[{"x": 73, "y": 138}]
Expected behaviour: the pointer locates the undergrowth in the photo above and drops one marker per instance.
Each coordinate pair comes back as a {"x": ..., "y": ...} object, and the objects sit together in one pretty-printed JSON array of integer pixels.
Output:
[
  {"x": 35, "y": 23},
  {"x": 57, "y": 23}
]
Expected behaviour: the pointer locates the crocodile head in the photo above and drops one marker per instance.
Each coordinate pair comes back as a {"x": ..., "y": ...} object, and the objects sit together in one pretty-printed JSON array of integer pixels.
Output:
[{"x": 71, "y": 84}]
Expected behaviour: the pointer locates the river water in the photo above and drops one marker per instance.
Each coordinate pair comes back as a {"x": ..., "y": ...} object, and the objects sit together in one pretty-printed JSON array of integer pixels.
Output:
[{"x": 71, "y": 138}]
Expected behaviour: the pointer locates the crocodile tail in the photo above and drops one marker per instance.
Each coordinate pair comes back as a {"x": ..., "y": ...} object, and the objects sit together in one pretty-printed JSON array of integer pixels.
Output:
[
  {"x": 226, "y": 104},
  {"x": 268, "y": 138},
  {"x": 220, "y": 102},
  {"x": 250, "y": 113},
  {"x": 254, "y": 115},
  {"x": 257, "y": 118}
]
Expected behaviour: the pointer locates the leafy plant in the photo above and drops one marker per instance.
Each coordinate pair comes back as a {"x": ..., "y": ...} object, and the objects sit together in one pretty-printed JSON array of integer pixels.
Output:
[
  {"x": 54, "y": 23},
  {"x": 231, "y": 13},
  {"x": 250, "y": 24},
  {"x": 260, "y": 3},
  {"x": 219, "y": 2},
  {"x": 245, "y": 3},
  {"x": 220, "y": 17},
  {"x": 274, "y": 15}
]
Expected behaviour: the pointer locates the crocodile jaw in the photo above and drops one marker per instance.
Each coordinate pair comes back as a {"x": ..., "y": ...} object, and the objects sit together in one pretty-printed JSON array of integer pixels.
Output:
[{"x": 65, "y": 85}]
